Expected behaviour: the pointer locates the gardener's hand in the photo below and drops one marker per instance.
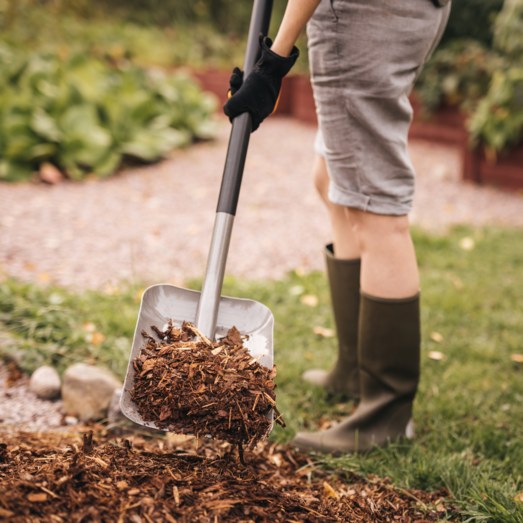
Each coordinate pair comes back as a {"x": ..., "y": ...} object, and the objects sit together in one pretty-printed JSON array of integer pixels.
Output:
[{"x": 260, "y": 93}]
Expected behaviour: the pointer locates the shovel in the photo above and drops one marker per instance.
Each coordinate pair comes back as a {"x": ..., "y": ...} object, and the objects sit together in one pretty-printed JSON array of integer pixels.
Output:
[{"x": 212, "y": 313}]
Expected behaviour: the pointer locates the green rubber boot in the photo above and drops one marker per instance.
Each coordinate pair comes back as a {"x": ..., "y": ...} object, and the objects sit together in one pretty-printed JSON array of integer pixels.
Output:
[
  {"x": 344, "y": 281},
  {"x": 389, "y": 355}
]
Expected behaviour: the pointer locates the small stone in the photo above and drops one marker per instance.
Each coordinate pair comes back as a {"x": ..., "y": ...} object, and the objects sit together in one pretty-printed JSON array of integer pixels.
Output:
[
  {"x": 87, "y": 391},
  {"x": 45, "y": 383}
]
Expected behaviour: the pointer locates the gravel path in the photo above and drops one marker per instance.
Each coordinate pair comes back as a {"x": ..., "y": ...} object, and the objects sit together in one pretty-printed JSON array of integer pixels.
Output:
[{"x": 155, "y": 222}]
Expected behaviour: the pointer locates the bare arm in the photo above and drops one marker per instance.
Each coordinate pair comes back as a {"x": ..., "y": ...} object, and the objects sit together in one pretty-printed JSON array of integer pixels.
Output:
[{"x": 297, "y": 14}]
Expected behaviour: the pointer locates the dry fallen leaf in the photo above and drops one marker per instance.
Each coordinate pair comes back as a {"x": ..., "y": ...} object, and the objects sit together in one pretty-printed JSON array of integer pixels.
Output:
[
  {"x": 458, "y": 284},
  {"x": 276, "y": 459},
  {"x": 301, "y": 271},
  {"x": 324, "y": 423},
  {"x": 97, "y": 339},
  {"x": 309, "y": 299},
  {"x": 436, "y": 355},
  {"x": 322, "y": 331},
  {"x": 14, "y": 374},
  {"x": 122, "y": 485},
  {"x": 518, "y": 358},
  {"x": 519, "y": 497},
  {"x": 177, "y": 439},
  {"x": 328, "y": 491},
  {"x": 467, "y": 244},
  {"x": 37, "y": 497},
  {"x": 436, "y": 336},
  {"x": 50, "y": 174},
  {"x": 87, "y": 326}
]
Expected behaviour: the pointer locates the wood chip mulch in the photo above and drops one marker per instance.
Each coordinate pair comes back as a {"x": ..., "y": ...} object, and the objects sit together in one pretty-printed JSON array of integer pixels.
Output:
[
  {"x": 187, "y": 384},
  {"x": 46, "y": 477}
]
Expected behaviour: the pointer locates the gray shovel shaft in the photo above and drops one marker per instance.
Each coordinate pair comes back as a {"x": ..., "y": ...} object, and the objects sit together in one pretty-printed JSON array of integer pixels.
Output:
[{"x": 207, "y": 311}]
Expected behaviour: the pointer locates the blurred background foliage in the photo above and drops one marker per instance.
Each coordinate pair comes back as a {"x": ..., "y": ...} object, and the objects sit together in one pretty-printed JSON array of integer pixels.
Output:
[
  {"x": 84, "y": 116},
  {"x": 477, "y": 68}
]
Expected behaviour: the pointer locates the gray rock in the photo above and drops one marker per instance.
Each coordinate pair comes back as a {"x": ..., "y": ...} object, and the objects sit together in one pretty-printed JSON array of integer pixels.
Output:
[
  {"x": 119, "y": 425},
  {"x": 45, "y": 383},
  {"x": 87, "y": 391}
]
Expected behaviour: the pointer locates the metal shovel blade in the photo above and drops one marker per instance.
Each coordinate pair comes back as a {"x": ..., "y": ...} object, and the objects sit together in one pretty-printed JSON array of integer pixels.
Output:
[{"x": 163, "y": 302}]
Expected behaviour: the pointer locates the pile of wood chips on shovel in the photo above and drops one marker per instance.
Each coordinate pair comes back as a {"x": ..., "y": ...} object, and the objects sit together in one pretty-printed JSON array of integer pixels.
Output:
[
  {"x": 194, "y": 386},
  {"x": 58, "y": 478}
]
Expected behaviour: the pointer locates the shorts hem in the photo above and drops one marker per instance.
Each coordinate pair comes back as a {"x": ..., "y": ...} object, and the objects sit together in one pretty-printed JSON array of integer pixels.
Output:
[{"x": 366, "y": 203}]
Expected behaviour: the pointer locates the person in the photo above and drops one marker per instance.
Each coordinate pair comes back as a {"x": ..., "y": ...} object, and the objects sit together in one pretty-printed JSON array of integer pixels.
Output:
[{"x": 364, "y": 58}]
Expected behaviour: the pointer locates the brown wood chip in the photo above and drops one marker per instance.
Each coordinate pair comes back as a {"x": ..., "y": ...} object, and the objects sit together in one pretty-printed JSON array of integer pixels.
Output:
[
  {"x": 188, "y": 482},
  {"x": 212, "y": 389}
]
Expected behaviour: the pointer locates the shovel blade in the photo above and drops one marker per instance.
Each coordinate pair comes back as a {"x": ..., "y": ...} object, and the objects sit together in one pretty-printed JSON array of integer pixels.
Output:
[{"x": 163, "y": 302}]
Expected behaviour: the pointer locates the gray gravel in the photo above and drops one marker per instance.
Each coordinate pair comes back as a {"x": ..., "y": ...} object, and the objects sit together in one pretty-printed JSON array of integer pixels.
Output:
[
  {"x": 154, "y": 223},
  {"x": 21, "y": 407}
]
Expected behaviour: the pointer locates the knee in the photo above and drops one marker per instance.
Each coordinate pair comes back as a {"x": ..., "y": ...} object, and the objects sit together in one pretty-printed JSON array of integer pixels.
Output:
[{"x": 370, "y": 228}]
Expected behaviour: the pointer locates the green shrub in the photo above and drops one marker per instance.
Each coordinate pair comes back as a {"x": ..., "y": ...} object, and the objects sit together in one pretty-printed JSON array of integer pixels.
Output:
[
  {"x": 498, "y": 120},
  {"x": 472, "y": 19},
  {"x": 508, "y": 30},
  {"x": 468, "y": 18},
  {"x": 486, "y": 83},
  {"x": 226, "y": 16},
  {"x": 457, "y": 74},
  {"x": 84, "y": 116}
]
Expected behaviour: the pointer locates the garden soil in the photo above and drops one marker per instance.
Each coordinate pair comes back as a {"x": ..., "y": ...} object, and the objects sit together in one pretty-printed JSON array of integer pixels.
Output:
[{"x": 50, "y": 477}]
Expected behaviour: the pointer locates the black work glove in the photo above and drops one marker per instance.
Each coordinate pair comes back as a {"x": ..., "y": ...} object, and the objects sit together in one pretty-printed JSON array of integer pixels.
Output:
[{"x": 260, "y": 92}]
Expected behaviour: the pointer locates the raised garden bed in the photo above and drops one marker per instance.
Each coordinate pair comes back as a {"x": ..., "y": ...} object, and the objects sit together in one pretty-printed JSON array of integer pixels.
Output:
[{"x": 505, "y": 171}]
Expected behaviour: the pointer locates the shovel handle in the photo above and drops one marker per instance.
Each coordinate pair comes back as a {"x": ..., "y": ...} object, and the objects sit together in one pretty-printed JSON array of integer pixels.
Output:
[
  {"x": 207, "y": 312},
  {"x": 241, "y": 125}
]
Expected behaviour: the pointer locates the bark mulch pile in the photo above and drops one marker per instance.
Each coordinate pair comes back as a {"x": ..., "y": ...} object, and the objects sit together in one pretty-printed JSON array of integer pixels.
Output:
[
  {"x": 204, "y": 388},
  {"x": 56, "y": 478}
]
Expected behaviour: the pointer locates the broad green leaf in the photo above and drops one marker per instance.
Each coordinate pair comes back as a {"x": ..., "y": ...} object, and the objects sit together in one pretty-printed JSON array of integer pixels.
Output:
[
  {"x": 108, "y": 165},
  {"x": 14, "y": 171},
  {"x": 45, "y": 126}
]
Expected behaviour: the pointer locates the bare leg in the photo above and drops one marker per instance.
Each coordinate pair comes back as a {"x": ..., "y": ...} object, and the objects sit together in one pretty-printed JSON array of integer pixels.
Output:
[
  {"x": 344, "y": 240},
  {"x": 388, "y": 261}
]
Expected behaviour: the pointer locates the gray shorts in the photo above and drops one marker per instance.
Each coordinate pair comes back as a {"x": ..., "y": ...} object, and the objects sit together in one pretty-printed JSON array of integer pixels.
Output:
[{"x": 364, "y": 57}]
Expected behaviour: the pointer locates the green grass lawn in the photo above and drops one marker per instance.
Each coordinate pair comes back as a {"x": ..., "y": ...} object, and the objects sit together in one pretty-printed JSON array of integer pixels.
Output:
[{"x": 469, "y": 409}]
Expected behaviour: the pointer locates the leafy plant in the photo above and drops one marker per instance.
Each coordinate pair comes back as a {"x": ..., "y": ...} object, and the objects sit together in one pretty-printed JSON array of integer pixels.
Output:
[
  {"x": 498, "y": 120},
  {"x": 508, "y": 29},
  {"x": 84, "y": 115},
  {"x": 458, "y": 74},
  {"x": 486, "y": 83},
  {"x": 472, "y": 19}
]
